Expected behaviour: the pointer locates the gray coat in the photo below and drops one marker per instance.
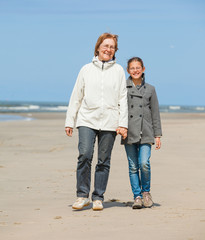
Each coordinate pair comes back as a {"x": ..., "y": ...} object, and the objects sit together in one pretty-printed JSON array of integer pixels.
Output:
[{"x": 143, "y": 114}]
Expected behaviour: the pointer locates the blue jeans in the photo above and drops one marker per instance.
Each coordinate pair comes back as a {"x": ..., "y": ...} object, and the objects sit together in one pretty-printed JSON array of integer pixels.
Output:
[
  {"x": 139, "y": 167},
  {"x": 87, "y": 137}
]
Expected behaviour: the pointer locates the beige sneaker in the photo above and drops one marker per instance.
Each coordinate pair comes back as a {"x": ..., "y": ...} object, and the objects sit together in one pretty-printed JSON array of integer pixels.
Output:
[
  {"x": 97, "y": 205},
  {"x": 147, "y": 200},
  {"x": 80, "y": 203},
  {"x": 137, "y": 203}
]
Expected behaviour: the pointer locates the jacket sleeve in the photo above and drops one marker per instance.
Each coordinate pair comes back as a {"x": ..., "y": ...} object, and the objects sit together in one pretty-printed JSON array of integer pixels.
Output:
[
  {"x": 123, "y": 106},
  {"x": 156, "y": 121},
  {"x": 75, "y": 101}
]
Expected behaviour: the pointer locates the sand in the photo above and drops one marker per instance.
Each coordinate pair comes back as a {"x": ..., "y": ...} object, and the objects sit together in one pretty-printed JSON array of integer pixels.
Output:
[{"x": 37, "y": 184}]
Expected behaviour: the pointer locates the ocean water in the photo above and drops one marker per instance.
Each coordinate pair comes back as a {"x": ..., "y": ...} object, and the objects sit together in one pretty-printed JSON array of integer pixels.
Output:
[
  {"x": 29, "y": 107},
  {"x": 8, "y": 118},
  {"x": 24, "y": 107},
  {"x": 182, "y": 109},
  {"x": 7, "y": 107}
]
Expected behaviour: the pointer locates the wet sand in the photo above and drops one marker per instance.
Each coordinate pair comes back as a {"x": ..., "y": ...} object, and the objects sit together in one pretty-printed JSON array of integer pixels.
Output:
[{"x": 37, "y": 184}]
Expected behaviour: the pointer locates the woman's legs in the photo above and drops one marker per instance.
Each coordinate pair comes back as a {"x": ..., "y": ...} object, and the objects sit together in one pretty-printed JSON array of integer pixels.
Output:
[
  {"x": 86, "y": 144},
  {"x": 105, "y": 144},
  {"x": 87, "y": 137}
]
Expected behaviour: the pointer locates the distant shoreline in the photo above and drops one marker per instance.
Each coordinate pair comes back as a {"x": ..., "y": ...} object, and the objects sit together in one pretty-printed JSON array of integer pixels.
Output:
[
  {"x": 37, "y": 107},
  {"x": 8, "y": 117}
]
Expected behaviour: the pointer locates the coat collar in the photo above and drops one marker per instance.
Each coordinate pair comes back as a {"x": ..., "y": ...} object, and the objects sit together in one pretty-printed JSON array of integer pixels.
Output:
[
  {"x": 130, "y": 83},
  {"x": 103, "y": 65}
]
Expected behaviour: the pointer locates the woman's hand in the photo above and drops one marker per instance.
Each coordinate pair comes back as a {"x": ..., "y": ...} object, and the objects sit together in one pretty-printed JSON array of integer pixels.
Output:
[
  {"x": 69, "y": 131},
  {"x": 122, "y": 131},
  {"x": 157, "y": 143}
]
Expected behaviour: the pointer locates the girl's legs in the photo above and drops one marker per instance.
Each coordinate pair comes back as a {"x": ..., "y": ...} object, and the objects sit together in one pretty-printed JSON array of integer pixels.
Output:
[
  {"x": 144, "y": 155},
  {"x": 132, "y": 155}
]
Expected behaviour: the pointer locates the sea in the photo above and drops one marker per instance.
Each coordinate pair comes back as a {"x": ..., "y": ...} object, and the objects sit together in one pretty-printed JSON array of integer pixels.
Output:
[{"x": 7, "y": 107}]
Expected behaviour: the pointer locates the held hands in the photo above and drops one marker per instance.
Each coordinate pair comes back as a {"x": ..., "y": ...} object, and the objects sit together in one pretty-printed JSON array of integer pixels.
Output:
[
  {"x": 122, "y": 131},
  {"x": 157, "y": 143},
  {"x": 69, "y": 131}
]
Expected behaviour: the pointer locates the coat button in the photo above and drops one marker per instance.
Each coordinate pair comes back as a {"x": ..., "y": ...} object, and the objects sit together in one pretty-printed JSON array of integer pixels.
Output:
[
  {"x": 132, "y": 106},
  {"x": 140, "y": 115},
  {"x": 140, "y": 105},
  {"x": 131, "y": 116}
]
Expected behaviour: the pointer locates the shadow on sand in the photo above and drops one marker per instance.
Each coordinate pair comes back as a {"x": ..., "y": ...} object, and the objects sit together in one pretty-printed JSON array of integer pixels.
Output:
[
  {"x": 114, "y": 203},
  {"x": 117, "y": 203}
]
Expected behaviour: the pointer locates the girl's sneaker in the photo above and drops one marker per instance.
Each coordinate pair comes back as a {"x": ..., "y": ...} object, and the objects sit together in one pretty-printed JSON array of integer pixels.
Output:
[
  {"x": 147, "y": 200},
  {"x": 137, "y": 203}
]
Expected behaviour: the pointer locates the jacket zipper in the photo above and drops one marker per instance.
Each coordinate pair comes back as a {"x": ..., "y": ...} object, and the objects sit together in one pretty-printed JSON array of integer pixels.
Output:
[
  {"x": 103, "y": 65},
  {"x": 102, "y": 95}
]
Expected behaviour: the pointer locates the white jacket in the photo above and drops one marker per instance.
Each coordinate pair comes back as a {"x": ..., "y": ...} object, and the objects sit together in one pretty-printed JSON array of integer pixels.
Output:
[{"x": 99, "y": 97}]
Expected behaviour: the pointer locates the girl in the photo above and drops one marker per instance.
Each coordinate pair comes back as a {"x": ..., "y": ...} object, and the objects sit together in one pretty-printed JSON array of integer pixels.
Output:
[{"x": 144, "y": 129}]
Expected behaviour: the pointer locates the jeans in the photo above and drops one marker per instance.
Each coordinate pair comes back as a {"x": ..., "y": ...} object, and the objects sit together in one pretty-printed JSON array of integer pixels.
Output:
[
  {"x": 87, "y": 137},
  {"x": 139, "y": 167}
]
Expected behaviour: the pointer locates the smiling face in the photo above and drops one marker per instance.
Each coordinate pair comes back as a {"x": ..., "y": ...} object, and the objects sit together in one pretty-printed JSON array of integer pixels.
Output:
[
  {"x": 135, "y": 70},
  {"x": 106, "y": 50}
]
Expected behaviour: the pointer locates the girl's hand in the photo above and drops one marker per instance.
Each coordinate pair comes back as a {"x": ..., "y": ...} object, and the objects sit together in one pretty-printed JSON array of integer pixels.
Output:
[
  {"x": 157, "y": 143},
  {"x": 69, "y": 131}
]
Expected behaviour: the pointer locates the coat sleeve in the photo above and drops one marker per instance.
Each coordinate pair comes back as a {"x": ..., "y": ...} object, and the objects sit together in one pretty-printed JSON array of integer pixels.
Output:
[
  {"x": 123, "y": 106},
  {"x": 75, "y": 101},
  {"x": 156, "y": 121}
]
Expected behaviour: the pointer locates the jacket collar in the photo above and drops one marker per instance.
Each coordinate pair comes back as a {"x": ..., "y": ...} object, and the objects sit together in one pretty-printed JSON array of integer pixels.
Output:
[
  {"x": 103, "y": 65},
  {"x": 130, "y": 83}
]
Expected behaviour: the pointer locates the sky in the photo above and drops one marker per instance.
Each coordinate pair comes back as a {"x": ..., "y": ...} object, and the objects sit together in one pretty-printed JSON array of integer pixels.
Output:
[{"x": 44, "y": 44}]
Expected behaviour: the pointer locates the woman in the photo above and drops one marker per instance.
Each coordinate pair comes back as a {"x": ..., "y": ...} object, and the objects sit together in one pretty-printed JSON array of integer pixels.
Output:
[
  {"x": 144, "y": 129},
  {"x": 98, "y": 103}
]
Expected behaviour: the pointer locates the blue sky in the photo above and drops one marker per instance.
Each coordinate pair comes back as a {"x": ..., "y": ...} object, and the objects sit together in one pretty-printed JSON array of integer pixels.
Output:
[{"x": 44, "y": 43}]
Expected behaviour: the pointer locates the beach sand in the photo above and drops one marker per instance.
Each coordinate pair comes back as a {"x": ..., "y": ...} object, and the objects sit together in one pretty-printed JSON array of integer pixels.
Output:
[{"x": 37, "y": 184}]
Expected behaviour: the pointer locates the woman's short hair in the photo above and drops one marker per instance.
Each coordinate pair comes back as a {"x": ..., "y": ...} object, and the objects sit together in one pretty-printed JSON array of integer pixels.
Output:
[{"x": 102, "y": 38}]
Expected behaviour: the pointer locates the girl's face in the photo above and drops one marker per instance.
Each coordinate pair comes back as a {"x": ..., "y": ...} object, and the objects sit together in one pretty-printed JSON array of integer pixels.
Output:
[
  {"x": 135, "y": 70},
  {"x": 106, "y": 50}
]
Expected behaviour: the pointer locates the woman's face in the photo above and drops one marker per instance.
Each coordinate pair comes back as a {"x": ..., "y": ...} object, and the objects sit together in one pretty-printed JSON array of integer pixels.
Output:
[
  {"x": 135, "y": 70},
  {"x": 106, "y": 50}
]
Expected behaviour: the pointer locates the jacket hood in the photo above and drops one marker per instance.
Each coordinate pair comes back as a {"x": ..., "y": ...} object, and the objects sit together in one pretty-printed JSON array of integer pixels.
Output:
[{"x": 103, "y": 65}]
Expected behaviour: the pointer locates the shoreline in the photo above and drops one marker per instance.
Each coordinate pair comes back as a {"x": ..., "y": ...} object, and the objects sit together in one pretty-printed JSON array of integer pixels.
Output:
[{"x": 7, "y": 117}]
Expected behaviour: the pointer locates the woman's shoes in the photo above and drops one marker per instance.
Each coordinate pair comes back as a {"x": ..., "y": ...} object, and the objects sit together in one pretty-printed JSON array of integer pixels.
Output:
[
  {"x": 97, "y": 205},
  {"x": 80, "y": 203}
]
